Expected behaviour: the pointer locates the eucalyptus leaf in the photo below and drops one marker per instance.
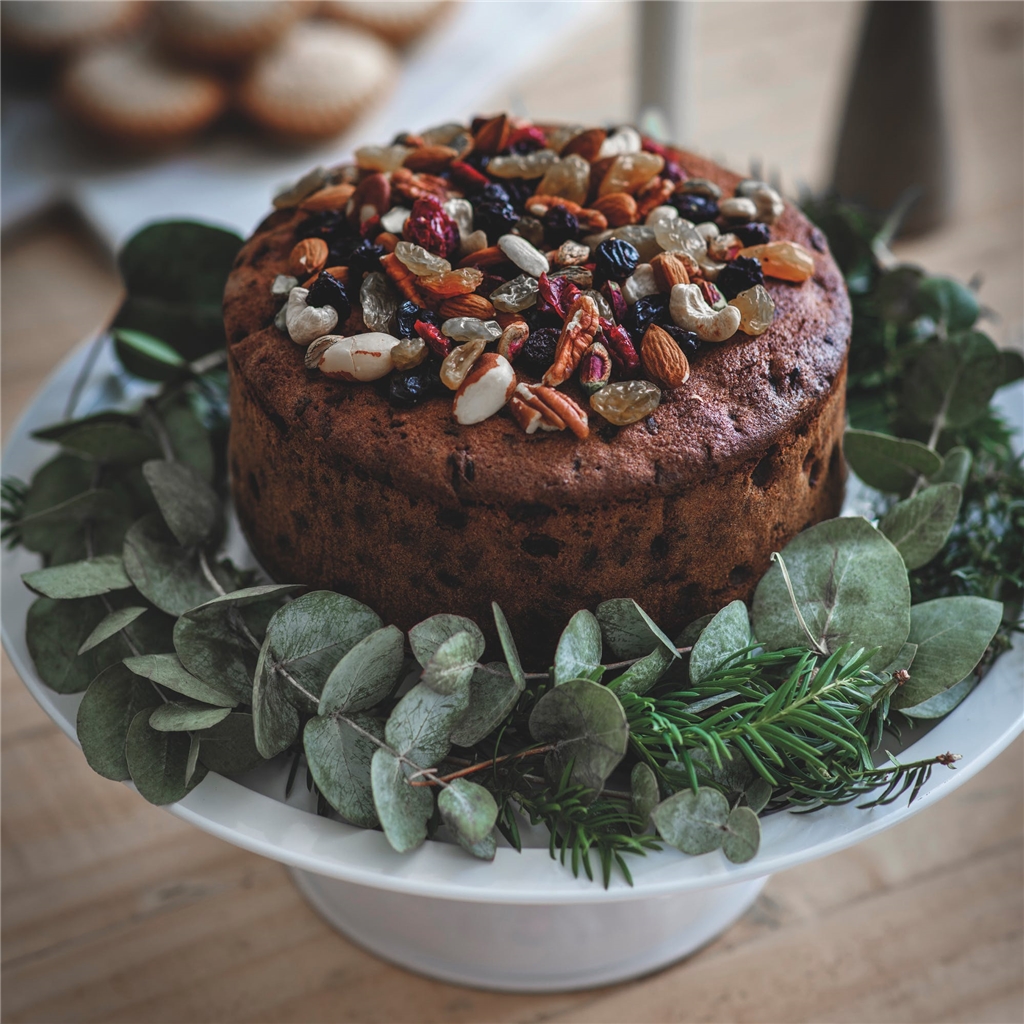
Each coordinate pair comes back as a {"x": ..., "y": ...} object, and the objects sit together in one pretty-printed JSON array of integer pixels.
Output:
[
  {"x": 64, "y": 478},
  {"x": 942, "y": 703},
  {"x": 189, "y": 438},
  {"x": 757, "y": 794},
  {"x": 167, "y": 670},
  {"x": 629, "y": 631},
  {"x": 193, "y": 756},
  {"x": 952, "y": 634},
  {"x": 742, "y": 837},
  {"x": 691, "y": 634},
  {"x": 468, "y": 810},
  {"x": 919, "y": 526},
  {"x": 508, "y": 646},
  {"x": 274, "y": 718},
  {"x": 108, "y": 708},
  {"x": 850, "y": 584},
  {"x": 189, "y": 505},
  {"x": 365, "y": 675},
  {"x": 88, "y": 578},
  {"x": 308, "y": 636},
  {"x": 178, "y": 716},
  {"x": 48, "y": 529},
  {"x": 725, "y": 635},
  {"x": 339, "y": 758},
  {"x": 903, "y": 660},
  {"x": 403, "y": 809},
  {"x": 693, "y": 822},
  {"x": 451, "y": 666},
  {"x": 956, "y": 467},
  {"x": 421, "y": 723},
  {"x": 644, "y": 793},
  {"x": 427, "y": 636},
  {"x": 889, "y": 464},
  {"x": 229, "y": 747},
  {"x": 579, "y": 648},
  {"x": 947, "y": 301},
  {"x": 955, "y": 379},
  {"x": 158, "y": 761},
  {"x": 117, "y": 443},
  {"x": 493, "y": 693},
  {"x": 54, "y": 632},
  {"x": 113, "y": 622},
  {"x": 643, "y": 674},
  {"x": 732, "y": 777},
  {"x": 1012, "y": 366},
  {"x": 163, "y": 572},
  {"x": 587, "y": 726},
  {"x": 145, "y": 356},
  {"x": 483, "y": 850}
]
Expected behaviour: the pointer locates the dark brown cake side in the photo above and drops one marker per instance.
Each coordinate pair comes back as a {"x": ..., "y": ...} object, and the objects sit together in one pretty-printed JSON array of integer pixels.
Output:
[{"x": 414, "y": 514}]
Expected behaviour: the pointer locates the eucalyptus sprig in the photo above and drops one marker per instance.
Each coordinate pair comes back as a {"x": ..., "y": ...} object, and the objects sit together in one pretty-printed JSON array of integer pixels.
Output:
[{"x": 631, "y": 739}]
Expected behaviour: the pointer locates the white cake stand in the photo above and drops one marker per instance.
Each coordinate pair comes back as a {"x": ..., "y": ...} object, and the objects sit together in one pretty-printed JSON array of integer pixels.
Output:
[{"x": 523, "y": 922}]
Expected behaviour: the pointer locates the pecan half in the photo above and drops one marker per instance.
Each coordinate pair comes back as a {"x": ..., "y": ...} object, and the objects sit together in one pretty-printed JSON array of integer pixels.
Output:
[
  {"x": 539, "y": 407},
  {"x": 655, "y": 193},
  {"x": 581, "y": 324}
]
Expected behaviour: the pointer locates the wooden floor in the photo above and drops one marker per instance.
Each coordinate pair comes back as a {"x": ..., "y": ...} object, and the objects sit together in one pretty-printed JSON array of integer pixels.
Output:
[{"x": 113, "y": 910}]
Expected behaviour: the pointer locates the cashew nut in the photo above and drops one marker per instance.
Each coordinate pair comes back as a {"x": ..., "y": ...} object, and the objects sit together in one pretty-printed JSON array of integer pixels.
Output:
[
  {"x": 738, "y": 208},
  {"x": 307, "y": 323},
  {"x": 768, "y": 201},
  {"x": 708, "y": 230},
  {"x": 692, "y": 313}
]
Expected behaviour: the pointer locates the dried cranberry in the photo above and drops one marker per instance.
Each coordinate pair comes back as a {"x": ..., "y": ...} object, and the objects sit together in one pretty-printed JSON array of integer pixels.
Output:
[
  {"x": 557, "y": 294},
  {"x": 431, "y": 334},
  {"x": 613, "y": 293},
  {"x": 616, "y": 259},
  {"x": 753, "y": 233},
  {"x": 650, "y": 309},
  {"x": 413, "y": 386},
  {"x": 648, "y": 145},
  {"x": 620, "y": 347},
  {"x": 560, "y": 225},
  {"x": 539, "y": 351},
  {"x": 467, "y": 176},
  {"x": 407, "y": 315},
  {"x": 694, "y": 207},
  {"x": 365, "y": 258},
  {"x": 428, "y": 225},
  {"x": 370, "y": 228},
  {"x": 687, "y": 340},
  {"x": 527, "y": 140},
  {"x": 327, "y": 290},
  {"x": 739, "y": 275}
]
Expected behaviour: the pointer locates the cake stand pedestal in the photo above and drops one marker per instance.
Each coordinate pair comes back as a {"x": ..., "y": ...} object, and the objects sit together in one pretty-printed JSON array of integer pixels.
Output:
[{"x": 527, "y": 947}]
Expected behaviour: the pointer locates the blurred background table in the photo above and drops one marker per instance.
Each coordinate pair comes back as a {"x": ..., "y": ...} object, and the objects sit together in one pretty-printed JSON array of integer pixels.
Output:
[{"x": 115, "y": 911}]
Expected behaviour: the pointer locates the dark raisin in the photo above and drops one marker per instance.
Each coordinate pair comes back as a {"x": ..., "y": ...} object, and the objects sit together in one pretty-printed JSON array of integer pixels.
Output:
[
  {"x": 686, "y": 340},
  {"x": 616, "y": 259},
  {"x": 643, "y": 313},
  {"x": 322, "y": 225},
  {"x": 739, "y": 275},
  {"x": 407, "y": 315},
  {"x": 365, "y": 258},
  {"x": 494, "y": 214},
  {"x": 695, "y": 207},
  {"x": 414, "y": 386},
  {"x": 478, "y": 161},
  {"x": 537, "y": 319},
  {"x": 539, "y": 351},
  {"x": 673, "y": 172},
  {"x": 559, "y": 226},
  {"x": 327, "y": 290},
  {"x": 752, "y": 234},
  {"x": 519, "y": 190}
]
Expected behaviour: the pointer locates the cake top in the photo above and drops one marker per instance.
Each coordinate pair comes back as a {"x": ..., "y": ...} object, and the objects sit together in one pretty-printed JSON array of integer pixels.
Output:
[{"x": 649, "y": 314}]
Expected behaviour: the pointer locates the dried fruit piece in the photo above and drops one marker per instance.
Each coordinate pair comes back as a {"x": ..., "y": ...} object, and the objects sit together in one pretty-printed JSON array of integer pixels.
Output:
[
  {"x": 381, "y": 158},
  {"x": 455, "y": 282},
  {"x": 460, "y": 211},
  {"x": 557, "y": 294},
  {"x": 468, "y": 328},
  {"x": 512, "y": 339},
  {"x": 459, "y": 361},
  {"x": 629, "y": 171},
  {"x": 663, "y": 359},
  {"x": 580, "y": 276},
  {"x": 626, "y": 401},
  {"x": 419, "y": 261},
  {"x": 724, "y": 247},
  {"x": 757, "y": 310},
  {"x": 653, "y": 195},
  {"x": 581, "y": 325},
  {"x": 429, "y": 226},
  {"x": 619, "y": 208},
  {"x": 362, "y": 357},
  {"x": 486, "y": 389},
  {"x": 408, "y": 389},
  {"x": 467, "y": 305},
  {"x": 612, "y": 294},
  {"x": 641, "y": 237},
  {"x": 787, "y": 261},
  {"x": 379, "y": 303},
  {"x": 518, "y": 294},
  {"x": 568, "y": 178},
  {"x": 680, "y": 236},
  {"x": 409, "y": 353},
  {"x": 743, "y": 273},
  {"x": 571, "y": 254},
  {"x": 525, "y": 256},
  {"x": 616, "y": 259},
  {"x": 308, "y": 256},
  {"x": 524, "y": 165},
  {"x": 699, "y": 187},
  {"x": 432, "y": 335},
  {"x": 595, "y": 368}
]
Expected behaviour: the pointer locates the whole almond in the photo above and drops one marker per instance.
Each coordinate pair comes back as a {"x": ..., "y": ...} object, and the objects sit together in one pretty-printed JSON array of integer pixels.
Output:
[
  {"x": 467, "y": 305},
  {"x": 587, "y": 144},
  {"x": 308, "y": 257},
  {"x": 430, "y": 159},
  {"x": 492, "y": 136},
  {"x": 619, "y": 208},
  {"x": 663, "y": 359},
  {"x": 334, "y": 197},
  {"x": 373, "y": 191},
  {"x": 668, "y": 271}
]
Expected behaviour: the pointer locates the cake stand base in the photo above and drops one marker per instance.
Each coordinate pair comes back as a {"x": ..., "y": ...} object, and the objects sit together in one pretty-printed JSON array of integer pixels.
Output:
[{"x": 527, "y": 947}]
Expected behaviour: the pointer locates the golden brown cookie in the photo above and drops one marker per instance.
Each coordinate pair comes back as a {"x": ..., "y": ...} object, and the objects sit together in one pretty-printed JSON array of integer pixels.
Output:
[
  {"x": 397, "y": 21},
  {"x": 52, "y": 27},
  {"x": 316, "y": 80},
  {"x": 127, "y": 93}
]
